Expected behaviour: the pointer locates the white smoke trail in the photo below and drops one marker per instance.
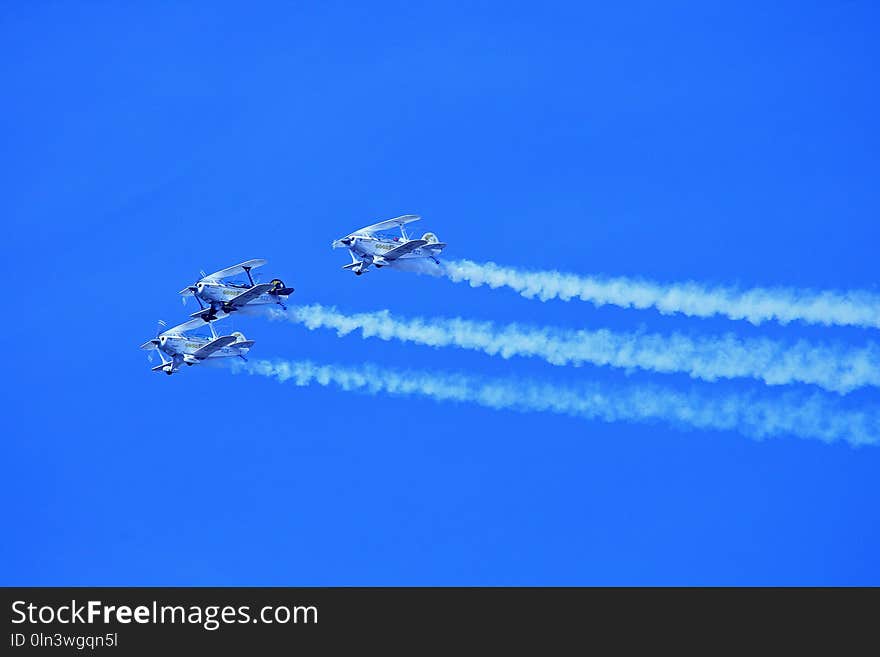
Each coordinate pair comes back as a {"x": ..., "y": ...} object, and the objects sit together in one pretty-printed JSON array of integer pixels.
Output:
[
  {"x": 834, "y": 367},
  {"x": 806, "y": 416},
  {"x": 756, "y": 305}
]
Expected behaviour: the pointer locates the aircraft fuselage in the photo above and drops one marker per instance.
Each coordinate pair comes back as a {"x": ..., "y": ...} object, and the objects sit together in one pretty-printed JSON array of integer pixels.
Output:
[
  {"x": 187, "y": 345},
  {"x": 216, "y": 294},
  {"x": 368, "y": 247}
]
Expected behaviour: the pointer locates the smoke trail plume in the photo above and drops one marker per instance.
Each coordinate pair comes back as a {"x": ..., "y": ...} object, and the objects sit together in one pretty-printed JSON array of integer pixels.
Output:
[
  {"x": 806, "y": 416},
  {"x": 756, "y": 305},
  {"x": 834, "y": 367}
]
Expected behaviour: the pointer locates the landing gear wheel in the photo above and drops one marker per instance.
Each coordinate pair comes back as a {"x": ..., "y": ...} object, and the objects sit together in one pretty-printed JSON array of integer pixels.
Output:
[{"x": 358, "y": 273}]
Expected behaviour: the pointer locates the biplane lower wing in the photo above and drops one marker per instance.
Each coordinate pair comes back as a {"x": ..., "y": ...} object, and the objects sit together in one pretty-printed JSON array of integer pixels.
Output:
[
  {"x": 209, "y": 314},
  {"x": 248, "y": 295},
  {"x": 403, "y": 249},
  {"x": 214, "y": 345}
]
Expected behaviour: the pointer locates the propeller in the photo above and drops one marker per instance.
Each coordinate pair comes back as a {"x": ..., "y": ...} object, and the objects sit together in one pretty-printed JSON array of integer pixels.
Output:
[
  {"x": 192, "y": 288},
  {"x": 155, "y": 341}
]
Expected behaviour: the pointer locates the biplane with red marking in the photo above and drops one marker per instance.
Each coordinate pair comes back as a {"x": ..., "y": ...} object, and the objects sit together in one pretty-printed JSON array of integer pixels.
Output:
[{"x": 218, "y": 297}]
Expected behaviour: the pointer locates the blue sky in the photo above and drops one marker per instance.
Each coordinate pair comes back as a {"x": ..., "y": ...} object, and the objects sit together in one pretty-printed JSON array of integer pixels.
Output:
[{"x": 732, "y": 143}]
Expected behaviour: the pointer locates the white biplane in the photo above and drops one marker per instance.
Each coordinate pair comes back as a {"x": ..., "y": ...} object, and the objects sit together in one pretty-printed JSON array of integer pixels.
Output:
[
  {"x": 218, "y": 297},
  {"x": 184, "y": 348},
  {"x": 368, "y": 246}
]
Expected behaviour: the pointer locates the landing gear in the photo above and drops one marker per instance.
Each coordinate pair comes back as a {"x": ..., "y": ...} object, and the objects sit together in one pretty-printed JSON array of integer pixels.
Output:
[
  {"x": 168, "y": 372},
  {"x": 358, "y": 273}
]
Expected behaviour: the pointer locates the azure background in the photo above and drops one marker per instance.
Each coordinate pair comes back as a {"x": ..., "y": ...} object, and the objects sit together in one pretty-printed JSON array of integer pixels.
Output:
[{"x": 722, "y": 142}]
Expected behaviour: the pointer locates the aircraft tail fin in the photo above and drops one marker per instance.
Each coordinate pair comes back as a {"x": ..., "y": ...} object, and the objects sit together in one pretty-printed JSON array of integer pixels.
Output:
[{"x": 279, "y": 289}]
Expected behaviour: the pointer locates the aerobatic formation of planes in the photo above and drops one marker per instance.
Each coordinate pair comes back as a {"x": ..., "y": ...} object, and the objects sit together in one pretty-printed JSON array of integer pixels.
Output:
[{"x": 218, "y": 296}]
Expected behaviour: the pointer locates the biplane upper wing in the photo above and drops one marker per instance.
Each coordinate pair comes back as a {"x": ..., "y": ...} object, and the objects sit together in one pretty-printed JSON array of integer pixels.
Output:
[
  {"x": 234, "y": 270},
  {"x": 180, "y": 329},
  {"x": 214, "y": 345},
  {"x": 403, "y": 249},
  {"x": 388, "y": 224}
]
